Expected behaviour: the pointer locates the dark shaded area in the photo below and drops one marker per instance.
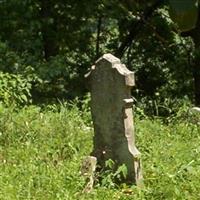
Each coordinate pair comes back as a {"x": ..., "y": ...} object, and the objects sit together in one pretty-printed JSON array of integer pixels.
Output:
[{"x": 52, "y": 44}]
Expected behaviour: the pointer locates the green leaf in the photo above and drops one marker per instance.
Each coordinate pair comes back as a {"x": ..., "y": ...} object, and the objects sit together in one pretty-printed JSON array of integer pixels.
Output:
[{"x": 24, "y": 98}]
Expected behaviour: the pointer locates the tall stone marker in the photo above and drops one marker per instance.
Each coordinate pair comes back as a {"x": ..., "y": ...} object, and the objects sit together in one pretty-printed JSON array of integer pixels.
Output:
[{"x": 111, "y": 106}]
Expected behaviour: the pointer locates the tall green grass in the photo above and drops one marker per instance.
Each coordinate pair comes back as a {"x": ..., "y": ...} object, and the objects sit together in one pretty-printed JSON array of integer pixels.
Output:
[{"x": 41, "y": 151}]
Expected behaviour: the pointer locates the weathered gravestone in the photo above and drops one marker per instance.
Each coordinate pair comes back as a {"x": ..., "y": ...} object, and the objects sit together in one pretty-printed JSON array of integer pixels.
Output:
[{"x": 110, "y": 84}]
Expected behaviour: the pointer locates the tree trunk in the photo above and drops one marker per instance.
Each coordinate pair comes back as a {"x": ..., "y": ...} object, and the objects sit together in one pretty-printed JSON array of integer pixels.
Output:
[
  {"x": 98, "y": 36},
  {"x": 196, "y": 75},
  {"x": 196, "y": 67},
  {"x": 49, "y": 29}
]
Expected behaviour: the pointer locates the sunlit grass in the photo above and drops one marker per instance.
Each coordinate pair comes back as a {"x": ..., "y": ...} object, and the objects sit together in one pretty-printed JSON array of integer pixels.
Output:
[{"x": 41, "y": 153}]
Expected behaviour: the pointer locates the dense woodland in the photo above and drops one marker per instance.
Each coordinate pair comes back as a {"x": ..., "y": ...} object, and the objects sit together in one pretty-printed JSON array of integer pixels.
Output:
[{"x": 46, "y": 47}]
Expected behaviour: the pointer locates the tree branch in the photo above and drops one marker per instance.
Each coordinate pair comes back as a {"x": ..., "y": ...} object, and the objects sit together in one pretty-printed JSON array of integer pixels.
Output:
[{"x": 136, "y": 27}]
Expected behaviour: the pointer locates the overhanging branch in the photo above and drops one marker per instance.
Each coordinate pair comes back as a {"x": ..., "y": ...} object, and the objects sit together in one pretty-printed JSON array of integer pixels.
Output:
[{"x": 136, "y": 27}]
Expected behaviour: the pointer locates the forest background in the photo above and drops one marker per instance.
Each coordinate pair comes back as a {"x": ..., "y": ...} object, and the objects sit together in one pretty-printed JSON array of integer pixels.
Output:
[{"x": 46, "y": 47}]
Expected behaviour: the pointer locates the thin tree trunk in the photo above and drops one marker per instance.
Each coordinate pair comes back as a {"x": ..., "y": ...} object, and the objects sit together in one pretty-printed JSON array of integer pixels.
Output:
[
  {"x": 98, "y": 36},
  {"x": 49, "y": 29},
  {"x": 196, "y": 67},
  {"x": 196, "y": 75}
]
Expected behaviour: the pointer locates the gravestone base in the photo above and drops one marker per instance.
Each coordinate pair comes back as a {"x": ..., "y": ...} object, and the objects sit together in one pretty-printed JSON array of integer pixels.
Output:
[{"x": 88, "y": 172}]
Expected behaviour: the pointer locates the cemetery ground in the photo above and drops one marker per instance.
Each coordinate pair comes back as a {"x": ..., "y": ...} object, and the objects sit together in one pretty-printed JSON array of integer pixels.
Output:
[{"x": 41, "y": 150}]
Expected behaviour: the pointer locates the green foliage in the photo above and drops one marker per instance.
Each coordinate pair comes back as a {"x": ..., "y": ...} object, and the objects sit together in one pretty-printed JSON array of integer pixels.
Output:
[
  {"x": 43, "y": 149},
  {"x": 55, "y": 42},
  {"x": 41, "y": 152},
  {"x": 161, "y": 59},
  {"x": 46, "y": 47},
  {"x": 171, "y": 160},
  {"x": 159, "y": 107},
  {"x": 110, "y": 177},
  {"x": 18, "y": 78},
  {"x": 14, "y": 89}
]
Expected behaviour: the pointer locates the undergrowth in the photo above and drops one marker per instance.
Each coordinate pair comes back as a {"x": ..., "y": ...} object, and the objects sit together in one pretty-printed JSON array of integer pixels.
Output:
[{"x": 41, "y": 151}]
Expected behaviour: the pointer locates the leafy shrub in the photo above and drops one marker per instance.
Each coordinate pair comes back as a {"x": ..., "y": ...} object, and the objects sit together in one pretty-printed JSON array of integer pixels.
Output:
[
  {"x": 112, "y": 176},
  {"x": 57, "y": 75},
  {"x": 14, "y": 89}
]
